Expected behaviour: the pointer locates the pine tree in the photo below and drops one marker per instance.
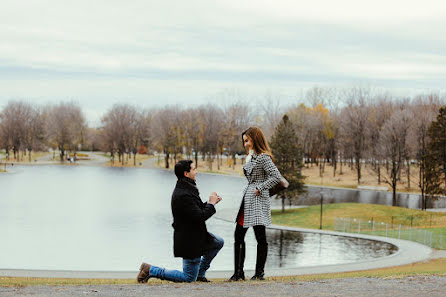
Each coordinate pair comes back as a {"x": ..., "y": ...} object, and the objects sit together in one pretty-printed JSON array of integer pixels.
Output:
[
  {"x": 288, "y": 159},
  {"x": 436, "y": 157}
]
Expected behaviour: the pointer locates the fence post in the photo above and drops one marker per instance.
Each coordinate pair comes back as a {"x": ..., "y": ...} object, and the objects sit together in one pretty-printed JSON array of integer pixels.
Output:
[
  {"x": 344, "y": 224},
  {"x": 399, "y": 232},
  {"x": 359, "y": 226},
  {"x": 431, "y": 221},
  {"x": 391, "y": 226},
  {"x": 386, "y": 228},
  {"x": 425, "y": 233},
  {"x": 373, "y": 226},
  {"x": 411, "y": 222}
]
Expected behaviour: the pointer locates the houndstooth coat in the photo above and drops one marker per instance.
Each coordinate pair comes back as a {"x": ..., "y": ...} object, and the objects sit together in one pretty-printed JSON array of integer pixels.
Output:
[{"x": 263, "y": 175}]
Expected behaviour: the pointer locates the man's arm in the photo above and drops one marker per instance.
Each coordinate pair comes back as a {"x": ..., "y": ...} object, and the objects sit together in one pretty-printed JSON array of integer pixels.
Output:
[{"x": 196, "y": 211}]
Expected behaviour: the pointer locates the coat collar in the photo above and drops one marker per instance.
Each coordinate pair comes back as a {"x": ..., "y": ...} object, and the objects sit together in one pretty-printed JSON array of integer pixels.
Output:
[
  {"x": 188, "y": 184},
  {"x": 249, "y": 166}
]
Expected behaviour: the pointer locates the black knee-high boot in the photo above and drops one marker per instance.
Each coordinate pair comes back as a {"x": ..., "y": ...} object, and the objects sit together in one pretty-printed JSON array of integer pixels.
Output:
[
  {"x": 239, "y": 262},
  {"x": 262, "y": 252}
]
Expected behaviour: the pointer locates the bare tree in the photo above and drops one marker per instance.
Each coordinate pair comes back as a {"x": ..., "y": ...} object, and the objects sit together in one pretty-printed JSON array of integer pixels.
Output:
[
  {"x": 20, "y": 127},
  {"x": 379, "y": 113},
  {"x": 66, "y": 127},
  {"x": 271, "y": 113},
  {"x": 121, "y": 131},
  {"x": 237, "y": 118},
  {"x": 212, "y": 117},
  {"x": 34, "y": 137},
  {"x": 164, "y": 130},
  {"x": 355, "y": 123},
  {"x": 393, "y": 146}
]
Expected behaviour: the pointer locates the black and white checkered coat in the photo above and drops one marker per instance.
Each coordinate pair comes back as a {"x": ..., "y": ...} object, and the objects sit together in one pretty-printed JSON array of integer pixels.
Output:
[{"x": 263, "y": 175}]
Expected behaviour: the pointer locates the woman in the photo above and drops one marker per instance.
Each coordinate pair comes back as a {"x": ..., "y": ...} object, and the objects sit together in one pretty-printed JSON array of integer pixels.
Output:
[{"x": 255, "y": 209}]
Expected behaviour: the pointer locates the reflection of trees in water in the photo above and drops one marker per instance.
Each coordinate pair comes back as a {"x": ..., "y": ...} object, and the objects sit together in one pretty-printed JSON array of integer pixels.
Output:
[{"x": 283, "y": 246}]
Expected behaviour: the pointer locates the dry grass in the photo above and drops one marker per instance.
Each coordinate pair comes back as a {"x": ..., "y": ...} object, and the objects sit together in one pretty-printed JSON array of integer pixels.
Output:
[
  {"x": 128, "y": 162},
  {"x": 431, "y": 267},
  {"x": 25, "y": 158},
  {"x": 346, "y": 179}
]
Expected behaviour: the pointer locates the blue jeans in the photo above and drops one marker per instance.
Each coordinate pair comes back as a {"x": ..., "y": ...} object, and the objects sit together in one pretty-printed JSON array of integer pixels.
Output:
[{"x": 192, "y": 268}]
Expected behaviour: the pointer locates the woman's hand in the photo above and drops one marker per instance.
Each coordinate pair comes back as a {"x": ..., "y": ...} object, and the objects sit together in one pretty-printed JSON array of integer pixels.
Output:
[{"x": 257, "y": 192}]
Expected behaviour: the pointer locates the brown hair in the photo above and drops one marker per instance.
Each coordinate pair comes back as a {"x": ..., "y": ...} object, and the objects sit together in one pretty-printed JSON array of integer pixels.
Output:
[{"x": 259, "y": 142}]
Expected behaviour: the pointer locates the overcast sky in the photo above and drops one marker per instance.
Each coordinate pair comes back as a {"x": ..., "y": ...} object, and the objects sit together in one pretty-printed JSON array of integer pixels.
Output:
[{"x": 184, "y": 52}]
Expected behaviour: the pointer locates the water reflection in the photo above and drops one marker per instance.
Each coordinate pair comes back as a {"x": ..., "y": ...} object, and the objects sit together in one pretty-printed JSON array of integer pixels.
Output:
[
  {"x": 93, "y": 218},
  {"x": 294, "y": 249}
]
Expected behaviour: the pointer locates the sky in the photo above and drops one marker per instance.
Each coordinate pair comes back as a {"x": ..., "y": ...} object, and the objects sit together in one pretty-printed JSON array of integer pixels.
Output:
[{"x": 153, "y": 53}]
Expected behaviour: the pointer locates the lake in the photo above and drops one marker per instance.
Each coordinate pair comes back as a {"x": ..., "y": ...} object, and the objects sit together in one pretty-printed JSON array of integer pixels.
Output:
[{"x": 100, "y": 218}]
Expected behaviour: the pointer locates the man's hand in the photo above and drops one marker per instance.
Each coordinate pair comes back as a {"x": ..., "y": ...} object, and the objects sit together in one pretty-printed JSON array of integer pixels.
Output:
[
  {"x": 214, "y": 198},
  {"x": 257, "y": 192}
]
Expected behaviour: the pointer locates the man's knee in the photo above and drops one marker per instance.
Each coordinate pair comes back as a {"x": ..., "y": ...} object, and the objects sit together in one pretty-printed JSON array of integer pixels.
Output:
[{"x": 220, "y": 242}]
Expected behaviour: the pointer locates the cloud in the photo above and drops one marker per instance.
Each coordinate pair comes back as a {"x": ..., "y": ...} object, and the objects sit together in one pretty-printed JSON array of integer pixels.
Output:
[{"x": 190, "y": 49}]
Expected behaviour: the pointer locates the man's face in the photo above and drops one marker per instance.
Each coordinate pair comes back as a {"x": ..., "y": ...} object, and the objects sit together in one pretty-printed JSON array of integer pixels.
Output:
[{"x": 192, "y": 173}]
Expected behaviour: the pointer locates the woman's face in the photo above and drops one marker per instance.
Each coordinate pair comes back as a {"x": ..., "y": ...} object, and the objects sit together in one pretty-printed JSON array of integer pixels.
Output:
[{"x": 247, "y": 142}]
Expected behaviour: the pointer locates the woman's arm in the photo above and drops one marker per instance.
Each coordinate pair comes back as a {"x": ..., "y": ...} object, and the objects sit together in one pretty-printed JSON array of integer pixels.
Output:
[{"x": 273, "y": 174}]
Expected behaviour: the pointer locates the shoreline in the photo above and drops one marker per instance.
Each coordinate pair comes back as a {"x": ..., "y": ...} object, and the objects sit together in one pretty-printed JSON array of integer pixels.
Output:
[{"x": 147, "y": 164}]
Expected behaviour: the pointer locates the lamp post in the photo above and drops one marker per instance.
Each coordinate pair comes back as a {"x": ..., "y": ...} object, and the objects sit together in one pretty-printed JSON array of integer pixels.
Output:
[{"x": 322, "y": 202}]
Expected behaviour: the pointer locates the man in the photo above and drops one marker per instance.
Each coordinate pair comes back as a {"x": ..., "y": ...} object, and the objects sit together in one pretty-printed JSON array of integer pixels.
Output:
[{"x": 191, "y": 239}]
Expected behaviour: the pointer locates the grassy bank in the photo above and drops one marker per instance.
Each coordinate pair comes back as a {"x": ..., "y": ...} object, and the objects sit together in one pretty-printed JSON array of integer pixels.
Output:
[
  {"x": 432, "y": 267},
  {"x": 128, "y": 162},
  {"x": 309, "y": 217}
]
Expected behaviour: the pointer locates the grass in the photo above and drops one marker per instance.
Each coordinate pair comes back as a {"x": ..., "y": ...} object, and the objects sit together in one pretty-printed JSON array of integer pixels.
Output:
[
  {"x": 127, "y": 162},
  {"x": 25, "y": 158},
  {"x": 377, "y": 220},
  {"x": 309, "y": 217},
  {"x": 432, "y": 267}
]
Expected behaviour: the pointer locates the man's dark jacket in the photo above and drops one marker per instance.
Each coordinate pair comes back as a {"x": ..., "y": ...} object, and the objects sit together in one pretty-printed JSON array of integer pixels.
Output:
[{"x": 190, "y": 237}]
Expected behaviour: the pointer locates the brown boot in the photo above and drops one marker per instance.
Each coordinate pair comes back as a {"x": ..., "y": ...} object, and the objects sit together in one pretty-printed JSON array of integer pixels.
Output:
[{"x": 144, "y": 273}]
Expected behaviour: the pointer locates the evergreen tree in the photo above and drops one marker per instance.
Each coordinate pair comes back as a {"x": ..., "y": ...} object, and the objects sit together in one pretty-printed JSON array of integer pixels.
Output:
[
  {"x": 436, "y": 157},
  {"x": 288, "y": 158}
]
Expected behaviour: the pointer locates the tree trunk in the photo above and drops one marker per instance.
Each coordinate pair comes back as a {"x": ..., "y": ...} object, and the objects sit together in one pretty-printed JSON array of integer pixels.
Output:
[
  {"x": 340, "y": 167},
  {"x": 394, "y": 194},
  {"x": 166, "y": 158},
  {"x": 408, "y": 174},
  {"x": 283, "y": 204},
  {"x": 379, "y": 172},
  {"x": 62, "y": 154}
]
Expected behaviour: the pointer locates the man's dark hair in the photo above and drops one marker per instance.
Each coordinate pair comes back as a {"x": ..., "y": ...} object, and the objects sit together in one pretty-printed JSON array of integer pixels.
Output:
[{"x": 181, "y": 167}]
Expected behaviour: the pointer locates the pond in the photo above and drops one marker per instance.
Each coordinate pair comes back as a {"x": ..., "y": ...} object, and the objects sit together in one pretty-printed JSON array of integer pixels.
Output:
[{"x": 99, "y": 218}]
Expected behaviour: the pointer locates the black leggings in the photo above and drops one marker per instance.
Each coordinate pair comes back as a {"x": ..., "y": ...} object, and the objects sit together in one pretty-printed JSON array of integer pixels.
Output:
[{"x": 259, "y": 231}]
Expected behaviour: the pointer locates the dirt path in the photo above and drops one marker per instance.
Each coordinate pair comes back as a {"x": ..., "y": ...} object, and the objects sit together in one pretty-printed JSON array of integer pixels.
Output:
[{"x": 415, "y": 286}]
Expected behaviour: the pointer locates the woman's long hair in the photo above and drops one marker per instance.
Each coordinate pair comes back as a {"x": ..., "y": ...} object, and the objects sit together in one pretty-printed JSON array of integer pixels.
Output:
[{"x": 259, "y": 142}]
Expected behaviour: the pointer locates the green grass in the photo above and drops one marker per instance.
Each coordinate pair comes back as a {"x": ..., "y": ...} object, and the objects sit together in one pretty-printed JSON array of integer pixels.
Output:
[
  {"x": 380, "y": 215},
  {"x": 309, "y": 217}
]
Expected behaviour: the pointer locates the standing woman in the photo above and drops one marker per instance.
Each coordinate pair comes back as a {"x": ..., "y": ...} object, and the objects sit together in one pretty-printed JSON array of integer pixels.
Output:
[{"x": 255, "y": 209}]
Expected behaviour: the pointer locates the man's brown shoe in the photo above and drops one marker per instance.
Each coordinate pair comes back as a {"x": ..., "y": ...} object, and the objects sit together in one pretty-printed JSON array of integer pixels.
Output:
[
  {"x": 144, "y": 273},
  {"x": 203, "y": 279}
]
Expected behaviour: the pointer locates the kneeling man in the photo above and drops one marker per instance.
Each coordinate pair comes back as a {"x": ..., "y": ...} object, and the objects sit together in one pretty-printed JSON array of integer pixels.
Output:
[{"x": 191, "y": 239}]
